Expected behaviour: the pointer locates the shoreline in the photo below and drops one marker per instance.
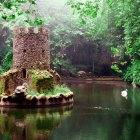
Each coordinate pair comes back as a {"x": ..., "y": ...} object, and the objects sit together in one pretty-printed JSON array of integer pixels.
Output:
[{"x": 101, "y": 80}]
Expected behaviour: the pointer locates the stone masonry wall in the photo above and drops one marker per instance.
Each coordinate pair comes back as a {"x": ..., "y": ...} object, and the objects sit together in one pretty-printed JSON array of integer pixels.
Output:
[
  {"x": 10, "y": 80},
  {"x": 31, "y": 50}
]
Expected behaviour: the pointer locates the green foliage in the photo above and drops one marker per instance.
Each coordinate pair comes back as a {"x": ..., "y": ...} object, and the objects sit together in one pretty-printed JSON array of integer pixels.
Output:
[
  {"x": 129, "y": 74},
  {"x": 60, "y": 63},
  {"x": 128, "y": 19},
  {"x": 116, "y": 68},
  {"x": 7, "y": 61},
  {"x": 15, "y": 13},
  {"x": 1, "y": 70},
  {"x": 85, "y": 9},
  {"x": 65, "y": 32},
  {"x": 122, "y": 31},
  {"x": 67, "y": 65},
  {"x": 133, "y": 72},
  {"x": 31, "y": 92},
  {"x": 58, "y": 89}
]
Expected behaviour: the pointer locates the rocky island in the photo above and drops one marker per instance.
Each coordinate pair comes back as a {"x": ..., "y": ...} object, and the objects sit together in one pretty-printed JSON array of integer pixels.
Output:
[{"x": 31, "y": 81}]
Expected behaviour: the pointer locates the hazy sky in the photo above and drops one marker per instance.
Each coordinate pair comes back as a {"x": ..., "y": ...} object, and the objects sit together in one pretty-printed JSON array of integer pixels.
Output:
[
  {"x": 52, "y": 2},
  {"x": 49, "y": 6}
]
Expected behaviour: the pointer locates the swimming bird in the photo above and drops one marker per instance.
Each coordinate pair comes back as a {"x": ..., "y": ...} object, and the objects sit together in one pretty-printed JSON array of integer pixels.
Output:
[{"x": 124, "y": 93}]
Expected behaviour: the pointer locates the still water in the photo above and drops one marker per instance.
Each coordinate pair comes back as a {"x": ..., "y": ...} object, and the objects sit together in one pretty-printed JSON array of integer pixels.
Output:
[{"x": 99, "y": 113}]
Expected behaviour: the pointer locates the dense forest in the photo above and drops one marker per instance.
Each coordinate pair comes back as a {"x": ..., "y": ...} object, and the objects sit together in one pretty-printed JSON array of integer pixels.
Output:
[{"x": 96, "y": 36}]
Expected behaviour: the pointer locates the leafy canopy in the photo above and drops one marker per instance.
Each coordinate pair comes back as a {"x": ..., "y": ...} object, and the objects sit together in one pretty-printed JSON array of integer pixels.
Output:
[
  {"x": 123, "y": 36},
  {"x": 15, "y": 13}
]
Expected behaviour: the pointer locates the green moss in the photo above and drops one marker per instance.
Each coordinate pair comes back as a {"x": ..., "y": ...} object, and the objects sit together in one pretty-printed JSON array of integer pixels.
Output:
[
  {"x": 44, "y": 84},
  {"x": 2, "y": 86},
  {"x": 57, "y": 91},
  {"x": 4, "y": 77},
  {"x": 12, "y": 71},
  {"x": 41, "y": 80},
  {"x": 32, "y": 92},
  {"x": 40, "y": 74}
]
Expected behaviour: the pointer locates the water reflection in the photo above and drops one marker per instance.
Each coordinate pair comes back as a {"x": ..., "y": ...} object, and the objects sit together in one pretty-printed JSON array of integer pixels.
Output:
[
  {"x": 131, "y": 128},
  {"x": 99, "y": 113},
  {"x": 30, "y": 124}
]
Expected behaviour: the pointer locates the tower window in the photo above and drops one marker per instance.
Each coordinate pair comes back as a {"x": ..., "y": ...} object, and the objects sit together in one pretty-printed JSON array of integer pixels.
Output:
[
  {"x": 43, "y": 53},
  {"x": 24, "y": 73}
]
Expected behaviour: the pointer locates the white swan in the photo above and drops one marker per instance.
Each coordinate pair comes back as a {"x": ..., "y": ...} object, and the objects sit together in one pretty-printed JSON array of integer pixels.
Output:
[{"x": 124, "y": 93}]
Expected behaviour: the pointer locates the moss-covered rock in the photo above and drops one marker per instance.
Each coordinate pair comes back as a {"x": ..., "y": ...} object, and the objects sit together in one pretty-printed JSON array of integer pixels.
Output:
[
  {"x": 56, "y": 76},
  {"x": 10, "y": 72},
  {"x": 38, "y": 80},
  {"x": 41, "y": 80},
  {"x": 38, "y": 88},
  {"x": 2, "y": 85},
  {"x": 9, "y": 81}
]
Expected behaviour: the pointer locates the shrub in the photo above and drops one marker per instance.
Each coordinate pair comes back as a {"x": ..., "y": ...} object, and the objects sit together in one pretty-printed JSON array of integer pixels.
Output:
[{"x": 132, "y": 73}]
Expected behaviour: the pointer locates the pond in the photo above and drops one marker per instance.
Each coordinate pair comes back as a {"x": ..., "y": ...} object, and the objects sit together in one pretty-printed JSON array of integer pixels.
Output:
[{"x": 99, "y": 113}]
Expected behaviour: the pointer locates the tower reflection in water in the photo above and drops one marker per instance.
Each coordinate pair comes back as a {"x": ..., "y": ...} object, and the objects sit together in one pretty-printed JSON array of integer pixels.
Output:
[{"x": 31, "y": 124}]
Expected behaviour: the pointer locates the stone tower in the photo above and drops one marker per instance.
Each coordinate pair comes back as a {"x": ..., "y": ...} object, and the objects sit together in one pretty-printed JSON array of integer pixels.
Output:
[{"x": 31, "y": 50}]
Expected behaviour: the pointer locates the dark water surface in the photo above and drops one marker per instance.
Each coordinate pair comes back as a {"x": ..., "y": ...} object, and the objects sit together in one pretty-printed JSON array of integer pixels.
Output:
[{"x": 99, "y": 113}]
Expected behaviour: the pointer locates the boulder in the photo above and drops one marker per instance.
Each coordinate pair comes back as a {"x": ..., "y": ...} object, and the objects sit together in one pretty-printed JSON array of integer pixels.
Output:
[
  {"x": 9, "y": 81},
  {"x": 20, "y": 91},
  {"x": 81, "y": 74}
]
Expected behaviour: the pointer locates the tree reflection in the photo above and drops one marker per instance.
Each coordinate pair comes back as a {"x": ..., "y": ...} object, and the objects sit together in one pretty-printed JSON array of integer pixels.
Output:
[{"x": 131, "y": 128}]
